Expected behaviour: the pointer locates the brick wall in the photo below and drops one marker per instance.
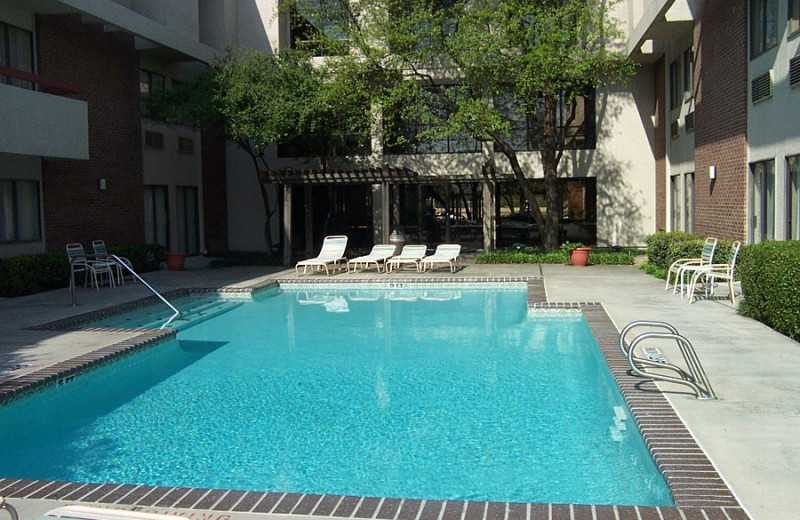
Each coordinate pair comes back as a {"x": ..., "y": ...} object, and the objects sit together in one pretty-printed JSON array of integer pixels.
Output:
[
  {"x": 215, "y": 199},
  {"x": 721, "y": 118},
  {"x": 105, "y": 65},
  {"x": 660, "y": 145}
]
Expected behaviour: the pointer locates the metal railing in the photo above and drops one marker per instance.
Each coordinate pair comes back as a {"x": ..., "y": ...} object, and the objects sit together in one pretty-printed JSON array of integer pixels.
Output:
[
  {"x": 8, "y": 508},
  {"x": 123, "y": 265},
  {"x": 693, "y": 376}
]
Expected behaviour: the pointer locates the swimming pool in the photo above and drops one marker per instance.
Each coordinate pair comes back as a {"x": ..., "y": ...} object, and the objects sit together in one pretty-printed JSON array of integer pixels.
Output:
[{"x": 448, "y": 394}]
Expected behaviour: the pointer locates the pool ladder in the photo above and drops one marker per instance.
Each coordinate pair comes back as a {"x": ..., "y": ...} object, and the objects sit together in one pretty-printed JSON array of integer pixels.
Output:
[
  {"x": 695, "y": 377},
  {"x": 8, "y": 508}
]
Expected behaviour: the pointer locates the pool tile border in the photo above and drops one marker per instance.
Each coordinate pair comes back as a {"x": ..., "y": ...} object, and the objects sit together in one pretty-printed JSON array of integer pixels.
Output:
[{"x": 698, "y": 490}]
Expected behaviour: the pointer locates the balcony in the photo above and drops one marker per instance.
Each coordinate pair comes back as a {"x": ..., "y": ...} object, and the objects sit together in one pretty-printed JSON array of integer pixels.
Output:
[{"x": 44, "y": 122}]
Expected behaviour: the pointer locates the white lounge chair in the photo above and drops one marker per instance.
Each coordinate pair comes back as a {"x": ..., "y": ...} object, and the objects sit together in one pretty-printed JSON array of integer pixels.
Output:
[
  {"x": 681, "y": 265},
  {"x": 710, "y": 273},
  {"x": 410, "y": 255},
  {"x": 378, "y": 256},
  {"x": 447, "y": 254},
  {"x": 331, "y": 256}
]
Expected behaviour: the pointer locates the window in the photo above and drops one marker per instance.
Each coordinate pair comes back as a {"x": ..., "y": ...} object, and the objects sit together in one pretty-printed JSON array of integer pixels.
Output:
[
  {"x": 154, "y": 139},
  {"x": 150, "y": 82},
  {"x": 156, "y": 215},
  {"x": 675, "y": 87},
  {"x": 16, "y": 52},
  {"x": 675, "y": 198},
  {"x": 688, "y": 73},
  {"x": 186, "y": 216},
  {"x": 575, "y": 120},
  {"x": 409, "y": 130},
  {"x": 688, "y": 202},
  {"x": 186, "y": 145},
  {"x": 19, "y": 211},
  {"x": 762, "y": 200},
  {"x": 320, "y": 27},
  {"x": 682, "y": 202},
  {"x": 794, "y": 17},
  {"x": 763, "y": 26},
  {"x": 793, "y": 167}
]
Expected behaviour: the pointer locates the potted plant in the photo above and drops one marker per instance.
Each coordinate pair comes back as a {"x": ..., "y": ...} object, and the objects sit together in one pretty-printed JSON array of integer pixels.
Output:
[
  {"x": 577, "y": 253},
  {"x": 175, "y": 261}
]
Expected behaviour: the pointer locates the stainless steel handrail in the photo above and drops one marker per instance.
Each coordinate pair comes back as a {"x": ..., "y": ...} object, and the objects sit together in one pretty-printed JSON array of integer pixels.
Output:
[
  {"x": 695, "y": 377},
  {"x": 5, "y": 506},
  {"x": 135, "y": 275}
]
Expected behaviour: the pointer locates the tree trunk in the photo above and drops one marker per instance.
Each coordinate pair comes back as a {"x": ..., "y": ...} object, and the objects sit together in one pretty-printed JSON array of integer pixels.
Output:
[
  {"x": 511, "y": 155},
  {"x": 548, "y": 153}
]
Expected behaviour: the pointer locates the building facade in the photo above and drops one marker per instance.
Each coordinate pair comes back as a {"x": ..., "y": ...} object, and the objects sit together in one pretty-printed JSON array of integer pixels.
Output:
[
  {"x": 727, "y": 83},
  {"x": 703, "y": 138}
]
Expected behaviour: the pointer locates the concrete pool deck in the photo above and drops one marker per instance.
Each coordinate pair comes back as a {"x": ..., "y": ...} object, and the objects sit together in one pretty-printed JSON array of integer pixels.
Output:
[{"x": 749, "y": 433}]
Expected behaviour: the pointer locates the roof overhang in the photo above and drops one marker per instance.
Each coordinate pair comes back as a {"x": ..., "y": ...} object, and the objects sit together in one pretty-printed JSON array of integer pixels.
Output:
[
  {"x": 660, "y": 20},
  {"x": 151, "y": 36}
]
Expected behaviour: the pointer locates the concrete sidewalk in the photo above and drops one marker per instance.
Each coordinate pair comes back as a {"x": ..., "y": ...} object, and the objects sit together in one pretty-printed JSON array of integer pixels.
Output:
[{"x": 749, "y": 433}]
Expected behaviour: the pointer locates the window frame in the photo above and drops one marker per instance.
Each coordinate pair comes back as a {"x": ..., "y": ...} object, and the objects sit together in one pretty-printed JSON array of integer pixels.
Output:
[
  {"x": 763, "y": 29},
  {"x": 6, "y": 58},
  {"x": 762, "y": 199},
  {"x": 14, "y": 215},
  {"x": 793, "y": 18},
  {"x": 151, "y": 81},
  {"x": 301, "y": 30},
  {"x": 688, "y": 73},
  {"x": 793, "y": 202},
  {"x": 675, "y": 85},
  {"x": 586, "y": 131}
]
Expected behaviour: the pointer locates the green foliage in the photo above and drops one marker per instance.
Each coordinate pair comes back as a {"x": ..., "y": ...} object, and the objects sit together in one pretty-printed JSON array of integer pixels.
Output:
[
  {"x": 654, "y": 270},
  {"x": 443, "y": 68},
  {"x": 30, "y": 274},
  {"x": 534, "y": 256},
  {"x": 770, "y": 275},
  {"x": 663, "y": 248}
]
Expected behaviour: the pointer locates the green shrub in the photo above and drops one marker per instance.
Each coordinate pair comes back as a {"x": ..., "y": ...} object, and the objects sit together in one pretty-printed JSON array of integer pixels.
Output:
[
  {"x": 770, "y": 274},
  {"x": 29, "y": 274},
  {"x": 533, "y": 256},
  {"x": 663, "y": 248}
]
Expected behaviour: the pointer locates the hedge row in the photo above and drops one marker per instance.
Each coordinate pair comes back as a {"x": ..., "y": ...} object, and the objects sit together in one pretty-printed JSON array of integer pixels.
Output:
[
  {"x": 770, "y": 274},
  {"x": 663, "y": 248},
  {"x": 529, "y": 256},
  {"x": 29, "y": 274}
]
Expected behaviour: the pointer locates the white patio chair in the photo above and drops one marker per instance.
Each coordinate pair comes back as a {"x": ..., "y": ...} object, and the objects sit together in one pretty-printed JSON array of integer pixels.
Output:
[
  {"x": 101, "y": 254},
  {"x": 681, "y": 265},
  {"x": 330, "y": 256},
  {"x": 78, "y": 263},
  {"x": 378, "y": 256},
  {"x": 710, "y": 273},
  {"x": 446, "y": 254}
]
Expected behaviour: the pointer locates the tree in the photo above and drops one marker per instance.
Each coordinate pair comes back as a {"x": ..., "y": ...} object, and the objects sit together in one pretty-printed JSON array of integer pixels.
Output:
[
  {"x": 260, "y": 100},
  {"x": 456, "y": 66}
]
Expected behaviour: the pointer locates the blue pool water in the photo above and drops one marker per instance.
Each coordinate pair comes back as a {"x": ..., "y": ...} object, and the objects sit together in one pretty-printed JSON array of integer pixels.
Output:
[{"x": 449, "y": 394}]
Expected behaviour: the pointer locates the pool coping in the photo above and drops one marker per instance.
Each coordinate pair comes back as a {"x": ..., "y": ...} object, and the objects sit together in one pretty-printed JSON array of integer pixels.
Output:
[{"x": 698, "y": 490}]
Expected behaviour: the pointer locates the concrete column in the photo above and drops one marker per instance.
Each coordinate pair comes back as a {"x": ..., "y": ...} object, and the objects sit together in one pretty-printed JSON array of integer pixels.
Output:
[
  {"x": 385, "y": 213},
  {"x": 287, "y": 224},
  {"x": 377, "y": 214},
  {"x": 309, "y": 218},
  {"x": 489, "y": 221}
]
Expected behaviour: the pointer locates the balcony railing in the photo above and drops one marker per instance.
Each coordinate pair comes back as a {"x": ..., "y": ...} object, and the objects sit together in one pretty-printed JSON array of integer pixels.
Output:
[{"x": 44, "y": 84}]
